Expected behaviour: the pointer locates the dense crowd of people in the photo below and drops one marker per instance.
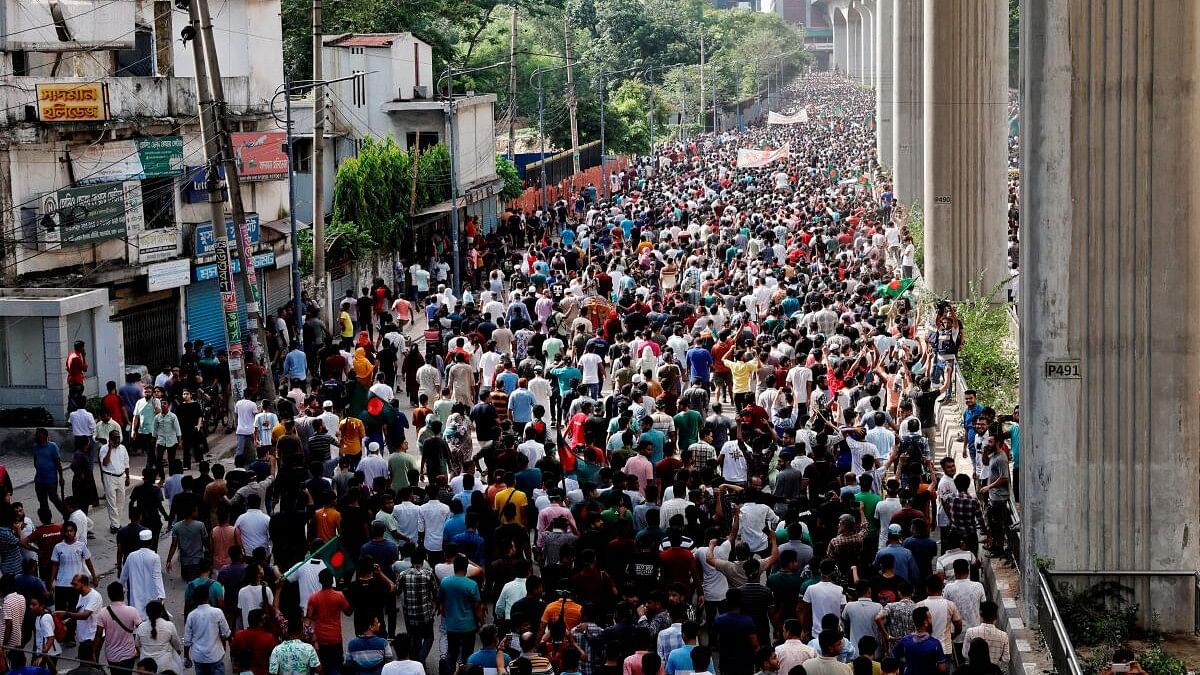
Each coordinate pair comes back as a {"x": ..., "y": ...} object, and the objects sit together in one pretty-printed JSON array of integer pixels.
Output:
[{"x": 683, "y": 428}]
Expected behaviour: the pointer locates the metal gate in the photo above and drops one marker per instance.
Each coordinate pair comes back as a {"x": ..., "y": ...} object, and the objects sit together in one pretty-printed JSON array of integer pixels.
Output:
[
  {"x": 340, "y": 283},
  {"x": 151, "y": 333},
  {"x": 279, "y": 289}
]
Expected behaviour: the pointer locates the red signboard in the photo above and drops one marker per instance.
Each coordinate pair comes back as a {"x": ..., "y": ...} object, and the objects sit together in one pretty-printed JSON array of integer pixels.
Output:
[{"x": 260, "y": 155}]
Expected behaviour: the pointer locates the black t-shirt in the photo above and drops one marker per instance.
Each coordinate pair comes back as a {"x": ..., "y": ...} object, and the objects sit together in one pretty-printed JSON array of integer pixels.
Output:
[
  {"x": 923, "y": 403},
  {"x": 365, "y": 304},
  {"x": 436, "y": 453},
  {"x": 484, "y": 417}
]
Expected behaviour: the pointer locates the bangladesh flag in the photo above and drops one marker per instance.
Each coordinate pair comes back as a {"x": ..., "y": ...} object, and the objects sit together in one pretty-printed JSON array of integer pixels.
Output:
[
  {"x": 895, "y": 288},
  {"x": 833, "y": 173},
  {"x": 333, "y": 554},
  {"x": 869, "y": 122}
]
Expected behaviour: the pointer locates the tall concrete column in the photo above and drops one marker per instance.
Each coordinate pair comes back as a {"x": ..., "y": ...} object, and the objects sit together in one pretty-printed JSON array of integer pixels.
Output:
[
  {"x": 837, "y": 19},
  {"x": 1110, "y": 181},
  {"x": 908, "y": 108},
  {"x": 854, "y": 45},
  {"x": 884, "y": 80},
  {"x": 868, "y": 43},
  {"x": 966, "y": 146}
]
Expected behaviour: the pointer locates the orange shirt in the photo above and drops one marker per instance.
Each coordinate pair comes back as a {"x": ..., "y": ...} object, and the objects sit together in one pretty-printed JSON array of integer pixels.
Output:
[
  {"x": 326, "y": 607},
  {"x": 352, "y": 431},
  {"x": 328, "y": 522}
]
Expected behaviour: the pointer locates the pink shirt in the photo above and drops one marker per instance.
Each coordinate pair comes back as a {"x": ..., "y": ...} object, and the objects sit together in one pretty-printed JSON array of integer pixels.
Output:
[
  {"x": 222, "y": 539},
  {"x": 548, "y": 515},
  {"x": 641, "y": 467},
  {"x": 118, "y": 642}
]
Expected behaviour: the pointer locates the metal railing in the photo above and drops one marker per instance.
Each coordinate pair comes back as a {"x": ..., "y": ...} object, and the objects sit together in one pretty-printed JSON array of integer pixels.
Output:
[{"x": 1054, "y": 630}]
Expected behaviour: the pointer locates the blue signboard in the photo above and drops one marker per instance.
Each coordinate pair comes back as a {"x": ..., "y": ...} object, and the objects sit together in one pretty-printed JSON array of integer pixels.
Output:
[
  {"x": 204, "y": 234},
  {"x": 209, "y": 272},
  {"x": 195, "y": 188}
]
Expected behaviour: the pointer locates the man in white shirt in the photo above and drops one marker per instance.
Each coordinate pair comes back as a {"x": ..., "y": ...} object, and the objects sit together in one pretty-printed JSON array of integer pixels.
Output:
[
  {"x": 85, "y": 611},
  {"x": 733, "y": 463},
  {"x": 966, "y": 596},
  {"x": 592, "y": 365},
  {"x": 823, "y": 597},
  {"x": 141, "y": 574},
  {"x": 245, "y": 411},
  {"x": 883, "y": 438},
  {"x": 114, "y": 471},
  {"x": 431, "y": 520},
  {"x": 943, "y": 614},
  {"x": 753, "y": 518},
  {"x": 886, "y": 508},
  {"x": 251, "y": 529}
]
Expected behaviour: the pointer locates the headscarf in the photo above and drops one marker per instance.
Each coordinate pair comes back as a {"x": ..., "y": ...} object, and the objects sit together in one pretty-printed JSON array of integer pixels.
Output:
[{"x": 363, "y": 370}]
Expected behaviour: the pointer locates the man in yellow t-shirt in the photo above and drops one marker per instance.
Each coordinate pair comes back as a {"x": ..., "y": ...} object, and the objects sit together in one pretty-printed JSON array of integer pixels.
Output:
[
  {"x": 345, "y": 323},
  {"x": 350, "y": 439},
  {"x": 510, "y": 495},
  {"x": 742, "y": 370}
]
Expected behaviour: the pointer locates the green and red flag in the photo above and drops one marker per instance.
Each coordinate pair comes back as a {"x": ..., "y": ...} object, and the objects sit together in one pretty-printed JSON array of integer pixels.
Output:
[
  {"x": 333, "y": 554},
  {"x": 895, "y": 288}
]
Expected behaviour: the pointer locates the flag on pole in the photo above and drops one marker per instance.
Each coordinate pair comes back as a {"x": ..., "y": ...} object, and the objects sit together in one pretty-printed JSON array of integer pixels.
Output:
[
  {"x": 333, "y": 554},
  {"x": 895, "y": 288}
]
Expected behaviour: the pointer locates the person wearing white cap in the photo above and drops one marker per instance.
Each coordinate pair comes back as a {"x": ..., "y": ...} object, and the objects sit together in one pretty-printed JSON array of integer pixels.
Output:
[
  {"x": 373, "y": 465},
  {"x": 329, "y": 417},
  {"x": 142, "y": 575}
]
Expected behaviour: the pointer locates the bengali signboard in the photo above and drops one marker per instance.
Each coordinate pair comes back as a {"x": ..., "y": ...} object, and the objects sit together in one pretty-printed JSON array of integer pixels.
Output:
[
  {"x": 205, "y": 242},
  {"x": 149, "y": 157},
  {"x": 87, "y": 214},
  {"x": 260, "y": 155},
  {"x": 72, "y": 102},
  {"x": 779, "y": 118},
  {"x": 170, "y": 274}
]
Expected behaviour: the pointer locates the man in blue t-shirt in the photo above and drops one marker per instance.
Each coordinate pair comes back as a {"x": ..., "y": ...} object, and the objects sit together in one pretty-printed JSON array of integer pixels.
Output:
[
  {"x": 485, "y": 657},
  {"x": 699, "y": 362},
  {"x": 921, "y": 653},
  {"x": 462, "y": 611},
  {"x": 48, "y": 471}
]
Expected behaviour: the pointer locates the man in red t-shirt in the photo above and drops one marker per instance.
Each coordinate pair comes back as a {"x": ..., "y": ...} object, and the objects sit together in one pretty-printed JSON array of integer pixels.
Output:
[
  {"x": 256, "y": 641},
  {"x": 77, "y": 367},
  {"x": 325, "y": 610}
]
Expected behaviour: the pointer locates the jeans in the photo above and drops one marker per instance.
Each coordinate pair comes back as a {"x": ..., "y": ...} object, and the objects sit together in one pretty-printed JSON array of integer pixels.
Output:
[
  {"x": 461, "y": 645},
  {"x": 422, "y": 639},
  {"x": 217, "y": 668}
]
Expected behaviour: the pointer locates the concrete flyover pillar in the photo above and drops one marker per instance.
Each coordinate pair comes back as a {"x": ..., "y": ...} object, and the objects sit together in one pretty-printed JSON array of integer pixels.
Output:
[
  {"x": 966, "y": 147},
  {"x": 1110, "y": 181},
  {"x": 884, "y": 80},
  {"x": 867, "y": 11},
  {"x": 837, "y": 19},
  {"x": 908, "y": 108},
  {"x": 854, "y": 45}
]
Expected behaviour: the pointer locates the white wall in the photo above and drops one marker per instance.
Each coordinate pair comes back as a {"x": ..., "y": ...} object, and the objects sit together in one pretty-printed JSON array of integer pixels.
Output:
[
  {"x": 475, "y": 138},
  {"x": 249, "y": 39}
]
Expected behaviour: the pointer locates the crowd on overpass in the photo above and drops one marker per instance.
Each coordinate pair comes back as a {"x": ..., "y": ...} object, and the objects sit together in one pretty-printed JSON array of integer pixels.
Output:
[{"x": 688, "y": 427}]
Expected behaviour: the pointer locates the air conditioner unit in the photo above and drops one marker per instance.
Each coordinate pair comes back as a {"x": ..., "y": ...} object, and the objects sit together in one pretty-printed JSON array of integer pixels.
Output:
[{"x": 421, "y": 91}]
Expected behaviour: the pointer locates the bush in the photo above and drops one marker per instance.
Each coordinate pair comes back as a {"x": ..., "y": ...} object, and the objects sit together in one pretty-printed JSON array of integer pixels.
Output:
[
  {"x": 1156, "y": 661},
  {"x": 1097, "y": 615},
  {"x": 988, "y": 358},
  {"x": 25, "y": 417}
]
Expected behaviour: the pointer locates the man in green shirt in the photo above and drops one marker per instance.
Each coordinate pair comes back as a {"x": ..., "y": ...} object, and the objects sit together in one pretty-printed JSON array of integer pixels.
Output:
[
  {"x": 687, "y": 424},
  {"x": 869, "y": 499},
  {"x": 399, "y": 464}
]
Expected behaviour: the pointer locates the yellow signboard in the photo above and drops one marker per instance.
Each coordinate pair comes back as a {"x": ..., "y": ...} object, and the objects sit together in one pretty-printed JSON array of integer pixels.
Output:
[{"x": 72, "y": 102}]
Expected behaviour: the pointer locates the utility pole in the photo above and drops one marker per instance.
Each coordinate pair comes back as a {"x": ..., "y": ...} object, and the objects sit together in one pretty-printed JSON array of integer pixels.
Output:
[
  {"x": 250, "y": 289},
  {"x": 701, "y": 79},
  {"x": 512, "y": 88},
  {"x": 212, "y": 154},
  {"x": 714, "y": 97},
  {"x": 542, "y": 137},
  {"x": 650, "y": 88},
  {"x": 572, "y": 101},
  {"x": 454, "y": 233},
  {"x": 603, "y": 147},
  {"x": 318, "y": 171}
]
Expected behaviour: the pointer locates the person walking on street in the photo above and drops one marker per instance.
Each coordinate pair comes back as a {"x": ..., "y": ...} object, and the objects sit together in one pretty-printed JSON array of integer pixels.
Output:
[
  {"x": 205, "y": 634},
  {"x": 48, "y": 481},
  {"x": 116, "y": 626},
  {"x": 114, "y": 472},
  {"x": 325, "y": 610}
]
